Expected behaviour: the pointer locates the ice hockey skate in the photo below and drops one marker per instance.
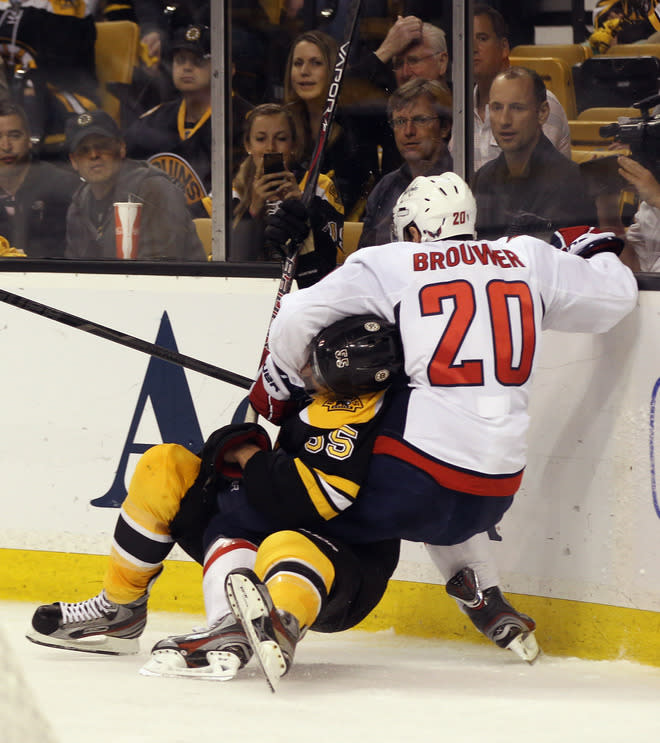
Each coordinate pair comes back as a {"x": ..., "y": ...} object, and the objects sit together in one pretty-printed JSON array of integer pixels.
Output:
[
  {"x": 213, "y": 653},
  {"x": 97, "y": 625},
  {"x": 273, "y": 633},
  {"x": 494, "y": 616}
]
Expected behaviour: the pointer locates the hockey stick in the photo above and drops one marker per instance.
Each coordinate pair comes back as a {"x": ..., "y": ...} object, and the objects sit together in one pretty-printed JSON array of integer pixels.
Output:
[
  {"x": 314, "y": 170},
  {"x": 159, "y": 352}
]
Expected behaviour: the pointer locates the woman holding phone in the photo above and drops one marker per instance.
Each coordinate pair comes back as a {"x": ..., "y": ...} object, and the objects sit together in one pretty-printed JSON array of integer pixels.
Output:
[{"x": 270, "y": 175}]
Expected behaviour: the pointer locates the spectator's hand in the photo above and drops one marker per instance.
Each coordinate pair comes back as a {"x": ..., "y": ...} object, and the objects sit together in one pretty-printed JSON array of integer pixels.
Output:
[
  {"x": 286, "y": 228},
  {"x": 152, "y": 43},
  {"x": 586, "y": 241},
  {"x": 642, "y": 179},
  {"x": 271, "y": 187},
  {"x": 402, "y": 34}
]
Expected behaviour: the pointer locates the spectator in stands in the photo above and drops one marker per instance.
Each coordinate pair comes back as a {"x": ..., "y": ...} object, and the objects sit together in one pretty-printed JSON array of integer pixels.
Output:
[
  {"x": 34, "y": 196},
  {"x": 642, "y": 251},
  {"x": 98, "y": 153},
  {"x": 158, "y": 21},
  {"x": 48, "y": 50},
  {"x": 624, "y": 22},
  {"x": 420, "y": 116},
  {"x": 270, "y": 128},
  {"x": 182, "y": 127},
  {"x": 530, "y": 188},
  {"x": 411, "y": 49},
  {"x": 306, "y": 83},
  {"x": 491, "y": 56}
]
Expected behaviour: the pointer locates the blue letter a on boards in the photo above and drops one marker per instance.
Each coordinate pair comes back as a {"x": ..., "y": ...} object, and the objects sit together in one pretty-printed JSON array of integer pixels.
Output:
[{"x": 166, "y": 386}]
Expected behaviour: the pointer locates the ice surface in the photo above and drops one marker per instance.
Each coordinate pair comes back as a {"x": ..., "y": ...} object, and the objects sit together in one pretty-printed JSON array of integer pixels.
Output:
[{"x": 352, "y": 687}]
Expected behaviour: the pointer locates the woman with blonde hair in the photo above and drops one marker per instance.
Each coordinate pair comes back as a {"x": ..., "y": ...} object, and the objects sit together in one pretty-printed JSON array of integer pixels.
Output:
[
  {"x": 267, "y": 206},
  {"x": 307, "y": 80}
]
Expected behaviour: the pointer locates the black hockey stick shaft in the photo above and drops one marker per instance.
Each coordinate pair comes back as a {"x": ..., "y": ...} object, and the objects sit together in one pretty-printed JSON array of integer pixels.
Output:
[
  {"x": 314, "y": 170},
  {"x": 291, "y": 261},
  {"x": 153, "y": 349}
]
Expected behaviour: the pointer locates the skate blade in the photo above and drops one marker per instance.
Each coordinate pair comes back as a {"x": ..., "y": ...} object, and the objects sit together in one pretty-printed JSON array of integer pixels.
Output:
[
  {"x": 101, "y": 644},
  {"x": 170, "y": 663},
  {"x": 248, "y": 606},
  {"x": 525, "y": 647}
]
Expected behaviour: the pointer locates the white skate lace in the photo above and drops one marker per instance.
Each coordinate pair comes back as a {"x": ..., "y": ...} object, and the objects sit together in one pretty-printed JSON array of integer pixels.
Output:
[{"x": 83, "y": 611}]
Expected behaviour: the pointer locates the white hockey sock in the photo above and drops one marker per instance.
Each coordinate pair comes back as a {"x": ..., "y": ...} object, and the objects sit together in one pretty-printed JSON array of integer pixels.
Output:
[
  {"x": 473, "y": 553},
  {"x": 221, "y": 558}
]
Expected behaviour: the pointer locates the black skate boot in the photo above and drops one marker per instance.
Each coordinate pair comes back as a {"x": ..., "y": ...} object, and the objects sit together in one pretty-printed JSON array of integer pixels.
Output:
[
  {"x": 97, "y": 625},
  {"x": 273, "y": 633},
  {"x": 215, "y": 653},
  {"x": 494, "y": 616}
]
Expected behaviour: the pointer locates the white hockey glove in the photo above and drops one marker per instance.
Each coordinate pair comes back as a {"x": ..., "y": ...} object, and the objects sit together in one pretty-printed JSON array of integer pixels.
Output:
[{"x": 586, "y": 241}]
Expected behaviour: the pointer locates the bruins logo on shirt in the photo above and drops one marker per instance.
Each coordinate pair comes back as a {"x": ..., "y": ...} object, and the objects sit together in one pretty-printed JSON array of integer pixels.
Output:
[
  {"x": 181, "y": 171},
  {"x": 352, "y": 404}
]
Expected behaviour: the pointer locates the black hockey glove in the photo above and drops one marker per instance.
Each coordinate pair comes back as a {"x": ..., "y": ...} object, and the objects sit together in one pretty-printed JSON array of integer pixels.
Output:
[
  {"x": 225, "y": 438},
  {"x": 586, "y": 241},
  {"x": 286, "y": 228},
  {"x": 199, "y": 503}
]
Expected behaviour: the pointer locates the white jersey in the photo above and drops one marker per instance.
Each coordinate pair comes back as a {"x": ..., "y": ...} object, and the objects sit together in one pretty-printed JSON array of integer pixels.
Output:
[{"x": 471, "y": 316}]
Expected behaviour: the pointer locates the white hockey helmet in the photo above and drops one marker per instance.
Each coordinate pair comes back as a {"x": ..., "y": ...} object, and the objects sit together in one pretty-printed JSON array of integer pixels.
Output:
[{"x": 440, "y": 206}]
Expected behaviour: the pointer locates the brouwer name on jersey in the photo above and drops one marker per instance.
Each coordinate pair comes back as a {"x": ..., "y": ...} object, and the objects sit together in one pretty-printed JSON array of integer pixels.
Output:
[{"x": 466, "y": 254}]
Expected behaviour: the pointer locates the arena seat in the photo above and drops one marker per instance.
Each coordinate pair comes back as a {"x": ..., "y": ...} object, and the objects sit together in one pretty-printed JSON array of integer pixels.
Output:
[
  {"x": 557, "y": 76},
  {"x": 116, "y": 53},
  {"x": 352, "y": 232},
  {"x": 203, "y": 226},
  {"x": 570, "y": 53},
  {"x": 587, "y": 133},
  {"x": 599, "y": 113},
  {"x": 634, "y": 50}
]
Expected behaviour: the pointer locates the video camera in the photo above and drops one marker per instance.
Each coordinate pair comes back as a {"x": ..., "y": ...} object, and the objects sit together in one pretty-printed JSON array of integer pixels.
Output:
[{"x": 642, "y": 135}]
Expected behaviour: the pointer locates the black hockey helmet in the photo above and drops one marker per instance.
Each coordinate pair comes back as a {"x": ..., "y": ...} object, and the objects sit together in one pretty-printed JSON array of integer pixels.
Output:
[{"x": 358, "y": 354}]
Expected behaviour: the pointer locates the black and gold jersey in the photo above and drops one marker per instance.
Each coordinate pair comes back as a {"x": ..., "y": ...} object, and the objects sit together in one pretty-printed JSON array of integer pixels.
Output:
[{"x": 321, "y": 462}]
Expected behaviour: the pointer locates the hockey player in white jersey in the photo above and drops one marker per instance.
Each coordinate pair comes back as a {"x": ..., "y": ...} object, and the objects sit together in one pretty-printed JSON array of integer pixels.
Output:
[{"x": 452, "y": 450}]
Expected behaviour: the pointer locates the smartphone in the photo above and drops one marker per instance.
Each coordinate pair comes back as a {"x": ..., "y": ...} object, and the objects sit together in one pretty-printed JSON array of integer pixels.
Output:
[{"x": 273, "y": 162}]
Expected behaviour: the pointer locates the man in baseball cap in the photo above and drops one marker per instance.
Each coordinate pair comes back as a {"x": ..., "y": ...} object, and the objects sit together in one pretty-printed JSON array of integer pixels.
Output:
[
  {"x": 97, "y": 152},
  {"x": 177, "y": 134},
  {"x": 88, "y": 123},
  {"x": 194, "y": 38}
]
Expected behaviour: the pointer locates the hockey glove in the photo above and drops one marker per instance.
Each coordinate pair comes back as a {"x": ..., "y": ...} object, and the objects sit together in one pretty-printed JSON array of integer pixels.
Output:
[
  {"x": 271, "y": 394},
  {"x": 228, "y": 437},
  {"x": 586, "y": 241},
  {"x": 286, "y": 228}
]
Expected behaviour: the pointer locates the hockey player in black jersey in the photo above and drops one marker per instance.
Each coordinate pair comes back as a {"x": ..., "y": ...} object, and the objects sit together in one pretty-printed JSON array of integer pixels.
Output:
[{"x": 265, "y": 513}]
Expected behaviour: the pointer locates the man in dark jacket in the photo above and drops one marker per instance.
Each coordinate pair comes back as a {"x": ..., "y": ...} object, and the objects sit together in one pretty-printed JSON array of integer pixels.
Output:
[
  {"x": 420, "y": 115},
  {"x": 530, "y": 188},
  {"x": 98, "y": 154},
  {"x": 34, "y": 196}
]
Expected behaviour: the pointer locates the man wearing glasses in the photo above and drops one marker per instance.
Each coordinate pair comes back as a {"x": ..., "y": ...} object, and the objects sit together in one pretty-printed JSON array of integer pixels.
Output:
[
  {"x": 419, "y": 113},
  {"x": 411, "y": 49}
]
